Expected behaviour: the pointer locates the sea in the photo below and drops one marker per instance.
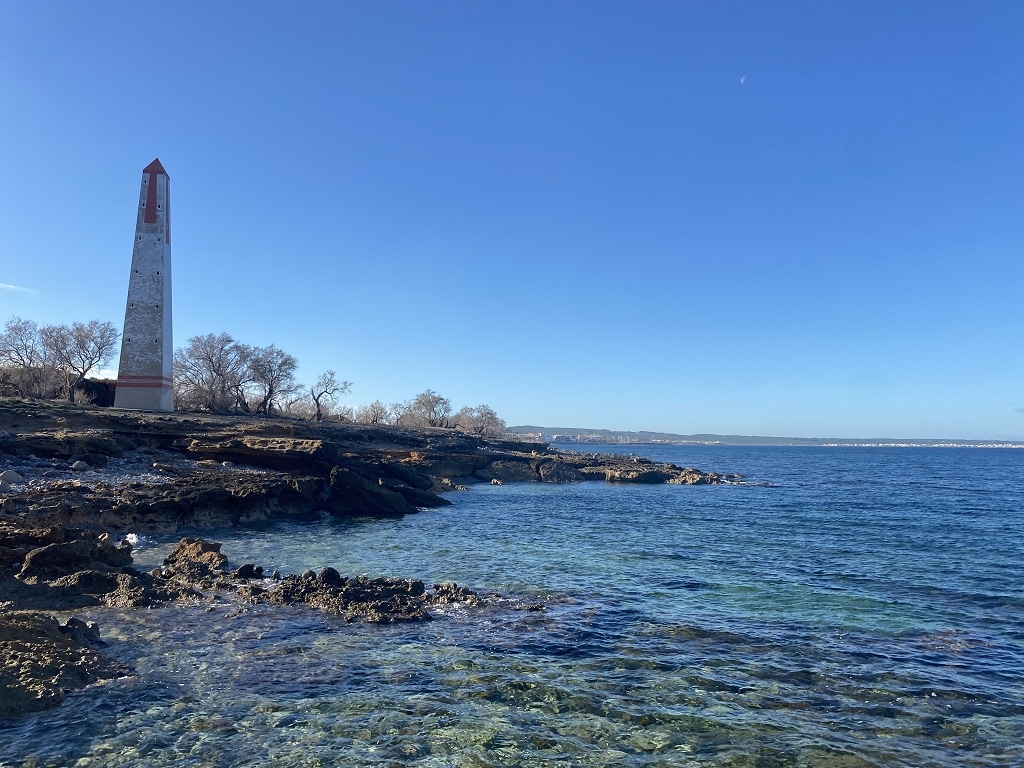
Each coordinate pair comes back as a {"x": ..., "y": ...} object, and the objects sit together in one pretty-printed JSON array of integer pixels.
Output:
[{"x": 842, "y": 607}]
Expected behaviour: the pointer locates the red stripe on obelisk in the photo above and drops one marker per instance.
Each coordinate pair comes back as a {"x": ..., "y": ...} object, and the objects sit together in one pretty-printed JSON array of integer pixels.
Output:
[
  {"x": 136, "y": 378},
  {"x": 144, "y": 382},
  {"x": 153, "y": 169}
]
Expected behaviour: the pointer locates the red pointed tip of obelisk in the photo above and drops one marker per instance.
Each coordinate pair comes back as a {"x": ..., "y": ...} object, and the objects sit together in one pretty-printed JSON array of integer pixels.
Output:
[{"x": 155, "y": 167}]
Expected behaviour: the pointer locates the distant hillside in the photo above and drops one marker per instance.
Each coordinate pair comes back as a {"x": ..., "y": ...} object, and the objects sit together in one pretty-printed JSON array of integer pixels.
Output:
[{"x": 584, "y": 435}]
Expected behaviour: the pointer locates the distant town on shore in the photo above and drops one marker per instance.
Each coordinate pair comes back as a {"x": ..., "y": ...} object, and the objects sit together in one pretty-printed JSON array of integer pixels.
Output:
[{"x": 577, "y": 435}]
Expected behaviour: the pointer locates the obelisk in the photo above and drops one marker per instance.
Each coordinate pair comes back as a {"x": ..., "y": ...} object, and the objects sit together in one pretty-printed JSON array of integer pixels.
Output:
[{"x": 147, "y": 351}]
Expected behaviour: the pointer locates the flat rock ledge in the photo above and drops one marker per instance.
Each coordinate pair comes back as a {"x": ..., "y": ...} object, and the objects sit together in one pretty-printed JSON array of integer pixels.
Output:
[
  {"x": 119, "y": 470},
  {"x": 58, "y": 569}
]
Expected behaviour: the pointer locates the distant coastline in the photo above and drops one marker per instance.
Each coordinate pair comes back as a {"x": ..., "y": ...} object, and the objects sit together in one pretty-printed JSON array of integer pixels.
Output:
[{"x": 559, "y": 436}]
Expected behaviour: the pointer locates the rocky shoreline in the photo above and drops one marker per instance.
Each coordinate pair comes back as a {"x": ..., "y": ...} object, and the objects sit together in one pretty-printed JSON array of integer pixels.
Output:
[
  {"x": 74, "y": 480},
  {"x": 44, "y": 658}
]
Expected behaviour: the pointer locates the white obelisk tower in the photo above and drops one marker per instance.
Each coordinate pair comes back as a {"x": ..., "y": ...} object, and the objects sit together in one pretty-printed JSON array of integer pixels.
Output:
[{"x": 147, "y": 350}]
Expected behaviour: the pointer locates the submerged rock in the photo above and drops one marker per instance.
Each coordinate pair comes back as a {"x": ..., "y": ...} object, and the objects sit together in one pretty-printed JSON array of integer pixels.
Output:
[
  {"x": 43, "y": 660},
  {"x": 378, "y": 600}
]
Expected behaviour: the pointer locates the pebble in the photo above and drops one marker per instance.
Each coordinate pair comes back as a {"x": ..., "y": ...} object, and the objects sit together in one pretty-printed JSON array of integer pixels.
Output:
[{"x": 31, "y": 473}]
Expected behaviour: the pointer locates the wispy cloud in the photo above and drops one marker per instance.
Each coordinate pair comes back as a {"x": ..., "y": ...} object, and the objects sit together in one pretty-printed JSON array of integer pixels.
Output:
[
  {"x": 1019, "y": 410},
  {"x": 17, "y": 289}
]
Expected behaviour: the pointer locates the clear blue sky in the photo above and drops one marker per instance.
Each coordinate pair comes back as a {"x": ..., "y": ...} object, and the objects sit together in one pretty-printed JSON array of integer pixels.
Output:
[{"x": 785, "y": 218}]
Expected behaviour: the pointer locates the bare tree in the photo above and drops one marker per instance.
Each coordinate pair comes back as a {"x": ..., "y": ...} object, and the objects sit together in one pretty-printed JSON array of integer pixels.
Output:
[
  {"x": 272, "y": 376},
  {"x": 431, "y": 409},
  {"x": 374, "y": 413},
  {"x": 325, "y": 390},
  {"x": 26, "y": 368},
  {"x": 20, "y": 344},
  {"x": 211, "y": 373},
  {"x": 400, "y": 414},
  {"x": 298, "y": 406},
  {"x": 78, "y": 348},
  {"x": 482, "y": 421}
]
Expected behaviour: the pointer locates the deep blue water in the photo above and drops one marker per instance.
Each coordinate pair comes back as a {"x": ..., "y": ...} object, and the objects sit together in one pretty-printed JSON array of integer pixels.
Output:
[{"x": 844, "y": 607}]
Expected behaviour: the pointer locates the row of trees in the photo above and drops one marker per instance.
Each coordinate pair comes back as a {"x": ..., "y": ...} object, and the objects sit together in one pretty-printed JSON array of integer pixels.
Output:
[
  {"x": 213, "y": 373},
  {"x": 50, "y": 361},
  {"x": 218, "y": 374},
  {"x": 429, "y": 409}
]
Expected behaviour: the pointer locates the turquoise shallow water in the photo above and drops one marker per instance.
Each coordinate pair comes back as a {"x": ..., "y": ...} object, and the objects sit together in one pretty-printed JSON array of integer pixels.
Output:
[{"x": 846, "y": 607}]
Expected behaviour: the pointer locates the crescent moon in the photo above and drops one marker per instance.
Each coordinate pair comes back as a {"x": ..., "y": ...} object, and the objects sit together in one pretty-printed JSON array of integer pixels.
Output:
[{"x": 743, "y": 80}]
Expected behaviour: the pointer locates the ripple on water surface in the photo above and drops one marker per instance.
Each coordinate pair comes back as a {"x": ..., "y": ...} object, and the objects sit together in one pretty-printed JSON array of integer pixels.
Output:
[{"x": 811, "y": 624}]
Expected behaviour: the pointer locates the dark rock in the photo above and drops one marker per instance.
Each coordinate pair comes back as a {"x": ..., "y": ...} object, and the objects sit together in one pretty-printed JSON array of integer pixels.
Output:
[
  {"x": 453, "y": 593},
  {"x": 510, "y": 471},
  {"x": 83, "y": 633},
  {"x": 330, "y": 576},
  {"x": 451, "y": 465},
  {"x": 355, "y": 494},
  {"x": 16, "y": 543},
  {"x": 691, "y": 476},
  {"x": 199, "y": 551},
  {"x": 556, "y": 471},
  {"x": 638, "y": 474},
  {"x": 379, "y": 600},
  {"x": 415, "y": 496},
  {"x": 248, "y": 571},
  {"x": 103, "y": 586},
  {"x": 445, "y": 485},
  {"x": 44, "y": 661},
  {"x": 406, "y": 474},
  {"x": 87, "y": 582},
  {"x": 251, "y": 592},
  {"x": 55, "y": 560}
]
